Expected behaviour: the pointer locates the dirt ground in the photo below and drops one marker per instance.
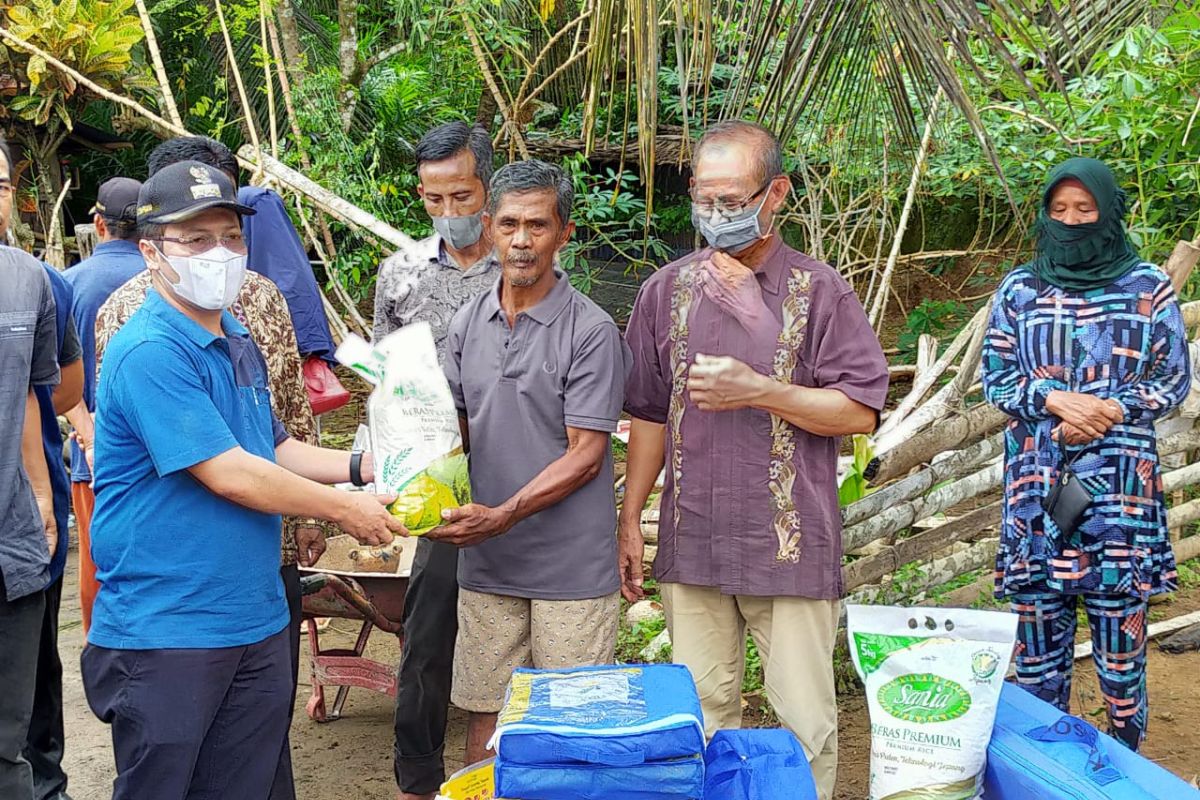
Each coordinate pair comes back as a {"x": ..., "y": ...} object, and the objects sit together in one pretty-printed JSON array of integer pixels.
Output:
[{"x": 351, "y": 758}]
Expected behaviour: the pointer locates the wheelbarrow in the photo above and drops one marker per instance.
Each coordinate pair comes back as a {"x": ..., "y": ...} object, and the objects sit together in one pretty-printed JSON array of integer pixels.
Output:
[{"x": 356, "y": 583}]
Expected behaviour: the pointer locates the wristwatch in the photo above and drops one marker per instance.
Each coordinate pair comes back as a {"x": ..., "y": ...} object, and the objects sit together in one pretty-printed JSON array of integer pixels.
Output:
[{"x": 356, "y": 477}]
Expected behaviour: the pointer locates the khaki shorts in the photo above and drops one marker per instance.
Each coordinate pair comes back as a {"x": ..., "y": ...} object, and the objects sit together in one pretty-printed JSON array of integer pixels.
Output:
[{"x": 497, "y": 634}]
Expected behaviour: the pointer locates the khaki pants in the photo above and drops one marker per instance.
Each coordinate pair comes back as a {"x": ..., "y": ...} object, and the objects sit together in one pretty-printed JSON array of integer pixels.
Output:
[{"x": 795, "y": 638}]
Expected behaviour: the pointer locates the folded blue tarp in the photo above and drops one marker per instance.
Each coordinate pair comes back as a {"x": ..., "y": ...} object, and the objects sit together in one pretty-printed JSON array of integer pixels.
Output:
[
  {"x": 1036, "y": 751},
  {"x": 601, "y": 733},
  {"x": 758, "y": 764}
]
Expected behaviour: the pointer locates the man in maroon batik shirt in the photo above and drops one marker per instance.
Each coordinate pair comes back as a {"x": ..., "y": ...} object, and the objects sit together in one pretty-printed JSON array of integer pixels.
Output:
[{"x": 751, "y": 360}]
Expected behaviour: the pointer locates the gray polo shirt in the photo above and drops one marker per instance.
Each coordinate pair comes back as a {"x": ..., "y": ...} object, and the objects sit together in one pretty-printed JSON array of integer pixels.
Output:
[
  {"x": 563, "y": 363},
  {"x": 28, "y": 357}
]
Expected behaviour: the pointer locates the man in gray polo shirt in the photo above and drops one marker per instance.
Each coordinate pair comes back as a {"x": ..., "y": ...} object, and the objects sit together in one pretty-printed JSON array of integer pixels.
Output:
[
  {"x": 28, "y": 358},
  {"x": 538, "y": 374}
]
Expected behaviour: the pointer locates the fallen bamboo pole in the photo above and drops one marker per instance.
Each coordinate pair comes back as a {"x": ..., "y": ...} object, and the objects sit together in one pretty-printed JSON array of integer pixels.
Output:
[
  {"x": 941, "y": 571},
  {"x": 947, "y": 400},
  {"x": 969, "y": 527},
  {"x": 927, "y": 380},
  {"x": 330, "y": 203},
  {"x": 958, "y": 430},
  {"x": 904, "y": 514},
  {"x": 953, "y": 466}
]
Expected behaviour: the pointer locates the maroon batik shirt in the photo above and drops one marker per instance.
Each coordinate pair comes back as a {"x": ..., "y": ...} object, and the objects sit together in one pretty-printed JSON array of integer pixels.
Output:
[{"x": 750, "y": 501}]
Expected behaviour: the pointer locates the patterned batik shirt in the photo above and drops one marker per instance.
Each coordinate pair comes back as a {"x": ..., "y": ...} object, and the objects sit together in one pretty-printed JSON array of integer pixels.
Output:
[
  {"x": 750, "y": 501},
  {"x": 262, "y": 309},
  {"x": 423, "y": 284},
  {"x": 1124, "y": 342}
]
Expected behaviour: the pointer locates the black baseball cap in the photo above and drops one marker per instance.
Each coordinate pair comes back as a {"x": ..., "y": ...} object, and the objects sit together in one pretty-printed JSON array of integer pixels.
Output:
[
  {"x": 118, "y": 200},
  {"x": 183, "y": 190}
]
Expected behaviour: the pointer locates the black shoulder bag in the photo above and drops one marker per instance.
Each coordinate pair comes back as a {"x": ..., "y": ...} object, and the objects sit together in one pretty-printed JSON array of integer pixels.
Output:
[{"x": 1069, "y": 498}]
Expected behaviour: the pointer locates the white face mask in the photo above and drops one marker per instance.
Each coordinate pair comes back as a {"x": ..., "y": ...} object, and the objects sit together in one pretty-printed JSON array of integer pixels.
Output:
[{"x": 210, "y": 280}]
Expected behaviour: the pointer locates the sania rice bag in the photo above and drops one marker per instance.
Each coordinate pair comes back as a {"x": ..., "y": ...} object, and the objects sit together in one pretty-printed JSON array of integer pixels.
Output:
[
  {"x": 933, "y": 679},
  {"x": 415, "y": 438}
]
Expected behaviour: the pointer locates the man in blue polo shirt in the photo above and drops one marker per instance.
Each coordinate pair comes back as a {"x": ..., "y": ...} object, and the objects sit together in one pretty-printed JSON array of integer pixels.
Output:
[
  {"x": 187, "y": 657},
  {"x": 115, "y": 260}
]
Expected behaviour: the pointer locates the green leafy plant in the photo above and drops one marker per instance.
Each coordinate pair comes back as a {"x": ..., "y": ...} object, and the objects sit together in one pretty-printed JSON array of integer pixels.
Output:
[
  {"x": 95, "y": 38},
  {"x": 934, "y": 317},
  {"x": 854, "y": 485}
]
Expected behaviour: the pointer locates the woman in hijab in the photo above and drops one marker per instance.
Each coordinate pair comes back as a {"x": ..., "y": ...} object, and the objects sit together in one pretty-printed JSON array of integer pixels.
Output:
[{"x": 1085, "y": 350}]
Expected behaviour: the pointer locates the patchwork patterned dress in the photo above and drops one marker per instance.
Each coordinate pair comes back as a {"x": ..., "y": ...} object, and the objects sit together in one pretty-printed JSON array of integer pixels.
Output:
[{"x": 1124, "y": 342}]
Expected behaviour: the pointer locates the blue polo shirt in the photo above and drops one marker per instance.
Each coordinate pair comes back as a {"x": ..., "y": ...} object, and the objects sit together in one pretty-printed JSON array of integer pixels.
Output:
[
  {"x": 179, "y": 566},
  {"x": 67, "y": 340},
  {"x": 94, "y": 280}
]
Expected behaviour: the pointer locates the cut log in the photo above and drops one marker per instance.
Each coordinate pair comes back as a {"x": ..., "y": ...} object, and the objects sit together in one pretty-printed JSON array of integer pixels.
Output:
[
  {"x": 329, "y": 202},
  {"x": 1187, "y": 549},
  {"x": 1181, "y": 478},
  {"x": 943, "y": 570},
  {"x": 927, "y": 348},
  {"x": 1191, "y": 313},
  {"x": 928, "y": 379},
  {"x": 957, "y": 431},
  {"x": 967, "y": 528},
  {"x": 1181, "y": 262},
  {"x": 953, "y": 466},
  {"x": 904, "y": 514},
  {"x": 1178, "y": 442},
  {"x": 946, "y": 401},
  {"x": 1183, "y": 515}
]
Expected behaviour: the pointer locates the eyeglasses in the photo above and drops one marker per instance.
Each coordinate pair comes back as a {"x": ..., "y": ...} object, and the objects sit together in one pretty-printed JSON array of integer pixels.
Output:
[
  {"x": 724, "y": 208},
  {"x": 202, "y": 244}
]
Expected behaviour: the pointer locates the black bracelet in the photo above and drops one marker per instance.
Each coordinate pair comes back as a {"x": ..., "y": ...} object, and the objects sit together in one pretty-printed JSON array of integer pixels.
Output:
[{"x": 356, "y": 477}]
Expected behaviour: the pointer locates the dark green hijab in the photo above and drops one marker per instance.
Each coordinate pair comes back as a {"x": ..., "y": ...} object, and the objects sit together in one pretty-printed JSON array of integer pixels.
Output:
[{"x": 1093, "y": 254}]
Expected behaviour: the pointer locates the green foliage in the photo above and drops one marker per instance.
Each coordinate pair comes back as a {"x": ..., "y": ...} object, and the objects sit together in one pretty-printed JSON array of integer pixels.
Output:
[
  {"x": 95, "y": 38},
  {"x": 854, "y": 485},
  {"x": 933, "y": 317}
]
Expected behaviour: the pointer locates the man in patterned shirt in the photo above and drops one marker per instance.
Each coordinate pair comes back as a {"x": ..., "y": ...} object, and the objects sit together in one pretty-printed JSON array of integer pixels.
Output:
[
  {"x": 751, "y": 360},
  {"x": 430, "y": 283},
  {"x": 261, "y": 307}
]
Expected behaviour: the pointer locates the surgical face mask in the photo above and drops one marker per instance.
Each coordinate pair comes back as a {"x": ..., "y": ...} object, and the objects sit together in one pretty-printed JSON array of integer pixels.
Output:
[
  {"x": 210, "y": 280},
  {"x": 460, "y": 232},
  {"x": 730, "y": 234}
]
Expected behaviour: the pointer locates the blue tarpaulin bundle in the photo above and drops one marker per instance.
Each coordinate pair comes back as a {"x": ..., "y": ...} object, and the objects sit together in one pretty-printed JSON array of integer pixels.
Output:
[
  {"x": 1037, "y": 751},
  {"x": 601, "y": 733},
  {"x": 761, "y": 764}
]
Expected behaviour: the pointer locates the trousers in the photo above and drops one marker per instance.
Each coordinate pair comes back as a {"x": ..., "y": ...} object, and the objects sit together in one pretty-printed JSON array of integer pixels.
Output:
[
  {"x": 795, "y": 639},
  {"x": 1045, "y": 655}
]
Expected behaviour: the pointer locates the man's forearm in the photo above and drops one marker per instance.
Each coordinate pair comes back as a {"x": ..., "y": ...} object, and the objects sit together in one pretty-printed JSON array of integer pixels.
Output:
[
  {"x": 81, "y": 420},
  {"x": 644, "y": 461},
  {"x": 69, "y": 391},
  {"x": 318, "y": 464},
  {"x": 563, "y": 476},
  {"x": 33, "y": 454},
  {"x": 822, "y": 412},
  {"x": 259, "y": 485}
]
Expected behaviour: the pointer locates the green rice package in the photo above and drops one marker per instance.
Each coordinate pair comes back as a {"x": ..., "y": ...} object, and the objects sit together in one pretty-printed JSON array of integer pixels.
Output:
[
  {"x": 933, "y": 679},
  {"x": 415, "y": 438}
]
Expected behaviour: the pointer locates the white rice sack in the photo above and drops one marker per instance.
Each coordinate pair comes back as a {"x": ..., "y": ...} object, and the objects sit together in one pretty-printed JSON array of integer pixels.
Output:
[
  {"x": 933, "y": 678},
  {"x": 415, "y": 438}
]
